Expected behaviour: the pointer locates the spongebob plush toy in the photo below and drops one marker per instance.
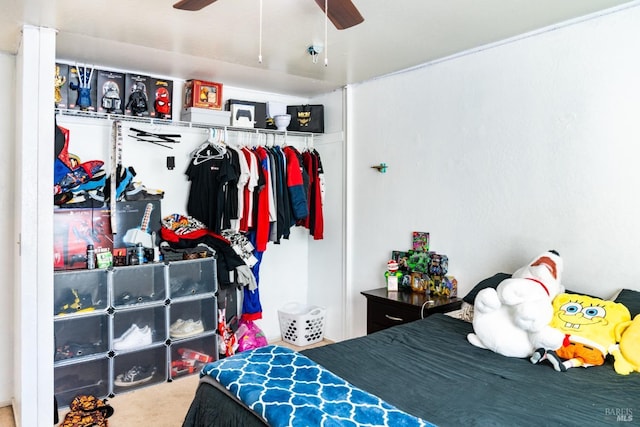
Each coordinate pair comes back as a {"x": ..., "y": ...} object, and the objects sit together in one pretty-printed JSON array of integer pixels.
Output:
[
  {"x": 589, "y": 325},
  {"x": 627, "y": 356}
]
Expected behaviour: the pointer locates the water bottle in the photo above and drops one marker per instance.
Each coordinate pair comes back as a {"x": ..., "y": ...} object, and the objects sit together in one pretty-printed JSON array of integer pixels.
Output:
[
  {"x": 140, "y": 253},
  {"x": 91, "y": 257}
]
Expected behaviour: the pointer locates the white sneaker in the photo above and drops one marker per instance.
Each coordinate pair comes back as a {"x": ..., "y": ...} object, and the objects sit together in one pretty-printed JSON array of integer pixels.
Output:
[
  {"x": 187, "y": 329},
  {"x": 132, "y": 328},
  {"x": 175, "y": 326},
  {"x": 139, "y": 337}
]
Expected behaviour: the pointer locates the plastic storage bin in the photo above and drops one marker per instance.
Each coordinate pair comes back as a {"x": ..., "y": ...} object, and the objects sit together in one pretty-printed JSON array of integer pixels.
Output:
[{"x": 301, "y": 324}]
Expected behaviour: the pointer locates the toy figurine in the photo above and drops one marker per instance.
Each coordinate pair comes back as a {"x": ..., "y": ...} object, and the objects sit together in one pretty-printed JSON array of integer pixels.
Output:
[
  {"x": 392, "y": 276},
  {"x": 83, "y": 87},
  {"x": 162, "y": 103},
  {"x": 138, "y": 100},
  {"x": 111, "y": 97},
  {"x": 58, "y": 82}
]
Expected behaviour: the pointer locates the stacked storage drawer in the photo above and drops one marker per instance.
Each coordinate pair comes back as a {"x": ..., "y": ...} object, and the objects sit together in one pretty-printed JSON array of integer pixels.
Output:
[{"x": 117, "y": 329}]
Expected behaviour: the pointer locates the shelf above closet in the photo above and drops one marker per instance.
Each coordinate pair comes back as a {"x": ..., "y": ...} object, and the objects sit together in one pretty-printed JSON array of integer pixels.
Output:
[{"x": 156, "y": 121}]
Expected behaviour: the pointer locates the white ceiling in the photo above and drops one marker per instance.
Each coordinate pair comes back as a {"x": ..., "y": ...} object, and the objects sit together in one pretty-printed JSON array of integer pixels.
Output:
[{"x": 221, "y": 42}]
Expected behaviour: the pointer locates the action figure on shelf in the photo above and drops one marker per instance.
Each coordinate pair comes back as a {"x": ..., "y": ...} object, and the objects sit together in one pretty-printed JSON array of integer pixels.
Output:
[
  {"x": 138, "y": 100},
  {"x": 162, "y": 103},
  {"x": 58, "y": 81},
  {"x": 83, "y": 87},
  {"x": 111, "y": 97}
]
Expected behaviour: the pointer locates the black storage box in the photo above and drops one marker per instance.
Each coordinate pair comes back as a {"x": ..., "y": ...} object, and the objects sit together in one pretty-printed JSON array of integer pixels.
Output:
[
  {"x": 306, "y": 118},
  {"x": 260, "y": 111}
]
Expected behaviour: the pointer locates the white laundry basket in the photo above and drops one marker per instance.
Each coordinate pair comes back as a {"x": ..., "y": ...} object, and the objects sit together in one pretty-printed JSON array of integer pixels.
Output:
[{"x": 301, "y": 324}]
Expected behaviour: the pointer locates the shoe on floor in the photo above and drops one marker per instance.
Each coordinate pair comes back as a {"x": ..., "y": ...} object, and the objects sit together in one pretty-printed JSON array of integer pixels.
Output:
[
  {"x": 134, "y": 337},
  {"x": 134, "y": 376},
  {"x": 187, "y": 329}
]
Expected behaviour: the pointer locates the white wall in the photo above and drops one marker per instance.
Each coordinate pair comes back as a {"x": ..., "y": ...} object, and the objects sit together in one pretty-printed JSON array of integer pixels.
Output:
[
  {"x": 7, "y": 182},
  {"x": 503, "y": 153},
  {"x": 327, "y": 262}
]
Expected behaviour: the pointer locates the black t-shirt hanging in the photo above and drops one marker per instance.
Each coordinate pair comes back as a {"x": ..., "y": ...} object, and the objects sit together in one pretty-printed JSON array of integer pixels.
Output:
[{"x": 208, "y": 176}]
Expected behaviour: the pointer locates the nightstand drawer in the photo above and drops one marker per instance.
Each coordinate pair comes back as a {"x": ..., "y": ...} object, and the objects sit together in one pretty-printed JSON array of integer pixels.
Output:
[
  {"x": 382, "y": 316},
  {"x": 387, "y": 308}
]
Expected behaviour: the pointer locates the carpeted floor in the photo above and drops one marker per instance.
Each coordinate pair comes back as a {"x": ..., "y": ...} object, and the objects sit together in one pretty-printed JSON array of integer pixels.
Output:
[
  {"x": 6, "y": 416},
  {"x": 161, "y": 405}
]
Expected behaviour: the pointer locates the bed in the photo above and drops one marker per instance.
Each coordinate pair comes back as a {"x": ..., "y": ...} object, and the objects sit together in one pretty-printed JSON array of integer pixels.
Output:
[{"x": 428, "y": 369}]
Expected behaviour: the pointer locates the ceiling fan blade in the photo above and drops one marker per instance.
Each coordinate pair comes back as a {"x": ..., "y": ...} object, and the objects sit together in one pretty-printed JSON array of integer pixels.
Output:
[
  {"x": 193, "y": 4},
  {"x": 342, "y": 13}
]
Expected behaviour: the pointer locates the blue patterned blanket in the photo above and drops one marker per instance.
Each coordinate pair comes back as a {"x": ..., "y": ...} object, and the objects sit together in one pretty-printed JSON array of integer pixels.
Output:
[{"x": 288, "y": 389}]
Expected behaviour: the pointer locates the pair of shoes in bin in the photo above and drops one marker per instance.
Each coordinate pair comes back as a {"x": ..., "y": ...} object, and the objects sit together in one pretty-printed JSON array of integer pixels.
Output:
[
  {"x": 185, "y": 328},
  {"x": 181, "y": 367},
  {"x": 191, "y": 361},
  {"x": 73, "y": 349},
  {"x": 134, "y": 376},
  {"x": 72, "y": 301},
  {"x": 133, "y": 337},
  {"x": 186, "y": 288},
  {"x": 127, "y": 298}
]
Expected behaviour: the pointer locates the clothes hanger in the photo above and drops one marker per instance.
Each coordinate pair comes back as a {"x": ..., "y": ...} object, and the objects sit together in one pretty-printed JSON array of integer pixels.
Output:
[{"x": 204, "y": 152}]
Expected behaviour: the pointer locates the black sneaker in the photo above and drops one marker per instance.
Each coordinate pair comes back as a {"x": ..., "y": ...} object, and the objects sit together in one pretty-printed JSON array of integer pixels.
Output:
[{"x": 134, "y": 376}]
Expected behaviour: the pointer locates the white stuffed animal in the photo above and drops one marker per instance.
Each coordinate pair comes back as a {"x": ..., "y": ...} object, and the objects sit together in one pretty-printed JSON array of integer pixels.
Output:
[{"x": 513, "y": 319}]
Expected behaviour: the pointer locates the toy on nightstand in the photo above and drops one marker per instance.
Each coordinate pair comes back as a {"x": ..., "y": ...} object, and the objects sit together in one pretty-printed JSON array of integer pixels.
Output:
[{"x": 392, "y": 276}]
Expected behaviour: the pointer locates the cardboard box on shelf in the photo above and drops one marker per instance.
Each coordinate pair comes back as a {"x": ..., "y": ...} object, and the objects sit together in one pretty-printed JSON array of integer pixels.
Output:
[
  {"x": 205, "y": 116},
  {"x": 74, "y": 230},
  {"x": 82, "y": 87},
  {"x": 136, "y": 222},
  {"x": 259, "y": 115},
  {"x": 162, "y": 93},
  {"x": 202, "y": 94},
  {"x": 111, "y": 90},
  {"x": 61, "y": 86},
  {"x": 136, "y": 96}
]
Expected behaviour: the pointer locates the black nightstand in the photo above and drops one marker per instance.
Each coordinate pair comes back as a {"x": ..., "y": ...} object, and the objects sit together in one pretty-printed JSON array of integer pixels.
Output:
[{"x": 389, "y": 308}]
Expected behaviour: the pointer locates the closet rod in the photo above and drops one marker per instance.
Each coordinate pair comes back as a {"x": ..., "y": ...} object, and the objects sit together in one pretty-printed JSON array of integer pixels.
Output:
[{"x": 165, "y": 122}]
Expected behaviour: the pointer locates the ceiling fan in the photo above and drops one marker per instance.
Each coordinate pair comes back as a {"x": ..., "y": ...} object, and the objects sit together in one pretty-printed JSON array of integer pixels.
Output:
[{"x": 342, "y": 13}]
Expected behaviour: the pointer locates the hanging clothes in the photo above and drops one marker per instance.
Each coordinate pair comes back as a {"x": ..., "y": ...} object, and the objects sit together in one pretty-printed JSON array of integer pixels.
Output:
[
  {"x": 246, "y": 219},
  {"x": 210, "y": 171},
  {"x": 315, "y": 221},
  {"x": 242, "y": 183},
  {"x": 295, "y": 185},
  {"x": 265, "y": 207}
]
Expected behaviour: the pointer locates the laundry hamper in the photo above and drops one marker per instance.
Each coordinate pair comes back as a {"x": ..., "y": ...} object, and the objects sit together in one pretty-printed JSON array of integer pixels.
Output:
[{"x": 301, "y": 324}]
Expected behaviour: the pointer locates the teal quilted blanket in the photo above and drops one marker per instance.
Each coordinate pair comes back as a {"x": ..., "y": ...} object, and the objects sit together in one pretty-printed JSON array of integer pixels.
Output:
[{"x": 288, "y": 389}]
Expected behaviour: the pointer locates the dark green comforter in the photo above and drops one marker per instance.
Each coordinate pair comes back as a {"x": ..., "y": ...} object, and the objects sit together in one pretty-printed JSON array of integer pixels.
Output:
[{"x": 428, "y": 369}]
